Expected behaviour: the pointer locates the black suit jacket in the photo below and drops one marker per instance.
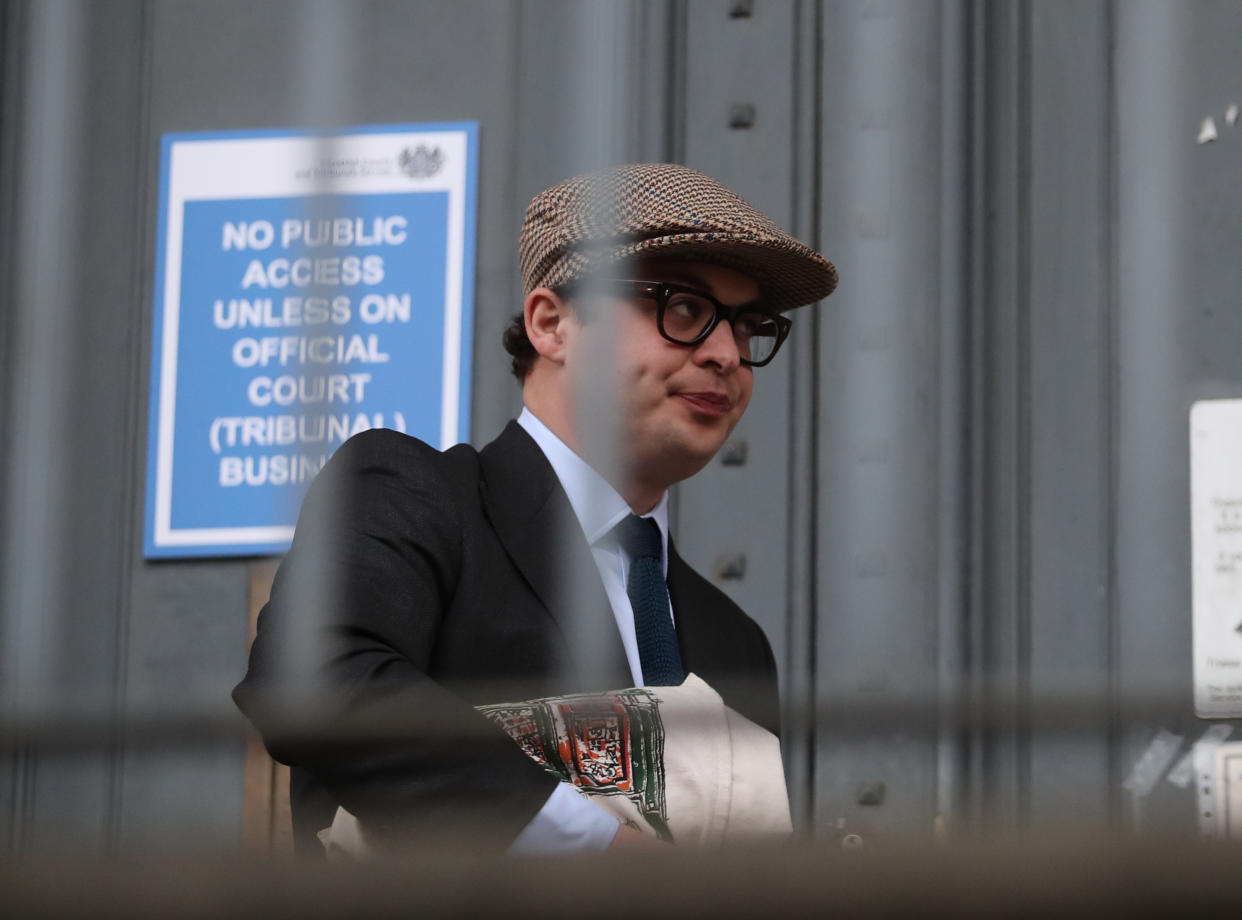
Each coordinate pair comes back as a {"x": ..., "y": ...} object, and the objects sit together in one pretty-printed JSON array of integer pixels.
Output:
[{"x": 421, "y": 584}]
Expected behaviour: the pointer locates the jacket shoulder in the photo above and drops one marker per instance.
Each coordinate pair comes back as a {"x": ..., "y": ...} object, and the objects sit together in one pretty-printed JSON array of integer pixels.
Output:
[
  {"x": 378, "y": 446},
  {"x": 384, "y": 458}
]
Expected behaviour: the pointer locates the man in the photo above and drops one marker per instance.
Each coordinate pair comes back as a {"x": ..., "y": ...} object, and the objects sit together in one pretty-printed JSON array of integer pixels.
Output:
[{"x": 533, "y": 568}]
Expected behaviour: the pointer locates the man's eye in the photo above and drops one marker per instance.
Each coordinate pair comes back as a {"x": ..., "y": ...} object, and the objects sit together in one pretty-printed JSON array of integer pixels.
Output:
[
  {"x": 750, "y": 324},
  {"x": 687, "y": 307}
]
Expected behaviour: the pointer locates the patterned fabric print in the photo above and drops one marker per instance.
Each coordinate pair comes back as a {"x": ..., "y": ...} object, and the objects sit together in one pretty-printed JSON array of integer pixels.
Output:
[
  {"x": 592, "y": 222},
  {"x": 523, "y": 727},
  {"x": 603, "y": 745}
]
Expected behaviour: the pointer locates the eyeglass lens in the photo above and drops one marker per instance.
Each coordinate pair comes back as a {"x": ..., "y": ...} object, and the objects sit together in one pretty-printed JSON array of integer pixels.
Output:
[{"x": 687, "y": 315}]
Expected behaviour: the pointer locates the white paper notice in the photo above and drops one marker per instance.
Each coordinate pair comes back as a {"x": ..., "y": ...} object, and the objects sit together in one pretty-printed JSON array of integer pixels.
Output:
[{"x": 1216, "y": 535}]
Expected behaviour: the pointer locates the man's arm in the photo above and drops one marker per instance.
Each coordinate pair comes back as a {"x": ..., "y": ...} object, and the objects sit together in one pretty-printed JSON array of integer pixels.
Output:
[{"x": 359, "y": 599}]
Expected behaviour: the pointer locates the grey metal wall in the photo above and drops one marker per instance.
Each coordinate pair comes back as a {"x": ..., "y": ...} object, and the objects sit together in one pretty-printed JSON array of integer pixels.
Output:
[{"x": 965, "y": 479}]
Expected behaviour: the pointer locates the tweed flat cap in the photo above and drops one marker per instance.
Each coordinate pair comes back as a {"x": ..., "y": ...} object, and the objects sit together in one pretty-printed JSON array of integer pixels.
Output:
[{"x": 662, "y": 210}]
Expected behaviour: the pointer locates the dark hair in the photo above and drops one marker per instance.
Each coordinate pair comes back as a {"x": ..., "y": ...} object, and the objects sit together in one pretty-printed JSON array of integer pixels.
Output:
[{"x": 518, "y": 344}]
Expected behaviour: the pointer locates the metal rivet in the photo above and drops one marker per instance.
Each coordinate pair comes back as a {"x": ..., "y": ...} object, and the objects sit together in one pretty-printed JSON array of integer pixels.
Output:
[
  {"x": 734, "y": 453},
  {"x": 742, "y": 9},
  {"x": 871, "y": 793},
  {"x": 851, "y": 842},
  {"x": 730, "y": 566},
  {"x": 741, "y": 115}
]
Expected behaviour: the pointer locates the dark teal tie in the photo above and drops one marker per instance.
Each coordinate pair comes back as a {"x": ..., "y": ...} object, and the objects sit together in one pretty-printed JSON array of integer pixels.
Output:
[{"x": 657, "y": 639}]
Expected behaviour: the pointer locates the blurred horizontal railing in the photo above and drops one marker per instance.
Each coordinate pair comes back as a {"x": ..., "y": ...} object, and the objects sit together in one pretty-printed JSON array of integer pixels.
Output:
[{"x": 1070, "y": 712}]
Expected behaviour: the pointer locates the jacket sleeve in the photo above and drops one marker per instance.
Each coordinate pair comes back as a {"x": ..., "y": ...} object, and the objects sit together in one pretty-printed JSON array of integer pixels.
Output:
[{"x": 337, "y": 682}]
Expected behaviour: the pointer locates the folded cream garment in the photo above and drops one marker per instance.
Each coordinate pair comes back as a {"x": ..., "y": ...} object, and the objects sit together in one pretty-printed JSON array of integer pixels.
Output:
[{"x": 675, "y": 762}]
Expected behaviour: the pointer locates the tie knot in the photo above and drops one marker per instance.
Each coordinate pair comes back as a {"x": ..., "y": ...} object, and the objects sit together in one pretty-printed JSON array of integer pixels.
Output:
[{"x": 640, "y": 537}]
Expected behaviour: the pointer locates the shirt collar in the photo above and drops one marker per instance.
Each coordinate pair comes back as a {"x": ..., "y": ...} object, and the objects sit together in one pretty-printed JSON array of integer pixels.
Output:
[{"x": 597, "y": 505}]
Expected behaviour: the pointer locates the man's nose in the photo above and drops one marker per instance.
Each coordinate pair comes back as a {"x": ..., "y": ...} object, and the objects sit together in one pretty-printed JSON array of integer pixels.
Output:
[{"x": 719, "y": 348}]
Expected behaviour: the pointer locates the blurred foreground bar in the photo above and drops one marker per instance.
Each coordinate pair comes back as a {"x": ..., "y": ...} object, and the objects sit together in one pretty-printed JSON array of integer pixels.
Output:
[{"x": 1044, "y": 878}]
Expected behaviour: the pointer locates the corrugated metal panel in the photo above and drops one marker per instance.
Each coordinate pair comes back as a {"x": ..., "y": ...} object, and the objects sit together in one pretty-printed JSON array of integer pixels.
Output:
[{"x": 965, "y": 478}]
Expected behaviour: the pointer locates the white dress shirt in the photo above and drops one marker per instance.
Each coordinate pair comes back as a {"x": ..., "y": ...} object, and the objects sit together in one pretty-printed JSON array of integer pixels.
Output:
[{"x": 568, "y": 822}]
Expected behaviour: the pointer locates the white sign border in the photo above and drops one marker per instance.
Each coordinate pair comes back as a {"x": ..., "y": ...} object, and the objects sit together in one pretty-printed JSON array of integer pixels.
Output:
[{"x": 261, "y": 164}]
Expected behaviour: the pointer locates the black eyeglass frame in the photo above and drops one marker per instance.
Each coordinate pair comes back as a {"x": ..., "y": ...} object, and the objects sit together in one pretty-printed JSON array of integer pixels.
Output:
[{"x": 662, "y": 291}]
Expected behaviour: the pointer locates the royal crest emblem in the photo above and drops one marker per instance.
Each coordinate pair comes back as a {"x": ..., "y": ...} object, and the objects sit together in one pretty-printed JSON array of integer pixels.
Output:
[{"x": 422, "y": 162}]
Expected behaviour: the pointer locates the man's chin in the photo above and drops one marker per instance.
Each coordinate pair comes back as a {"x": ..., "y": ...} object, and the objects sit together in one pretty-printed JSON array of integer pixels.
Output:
[{"x": 686, "y": 456}]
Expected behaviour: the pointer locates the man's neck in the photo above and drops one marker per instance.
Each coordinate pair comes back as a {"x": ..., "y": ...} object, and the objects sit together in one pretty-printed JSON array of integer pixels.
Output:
[
  {"x": 640, "y": 500},
  {"x": 640, "y": 497}
]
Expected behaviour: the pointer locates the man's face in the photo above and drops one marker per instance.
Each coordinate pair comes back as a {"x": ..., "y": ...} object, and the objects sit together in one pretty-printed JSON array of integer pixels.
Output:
[{"x": 671, "y": 406}]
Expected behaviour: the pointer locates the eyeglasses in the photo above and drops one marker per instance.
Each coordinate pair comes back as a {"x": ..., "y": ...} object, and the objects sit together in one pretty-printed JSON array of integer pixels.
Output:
[{"x": 687, "y": 316}]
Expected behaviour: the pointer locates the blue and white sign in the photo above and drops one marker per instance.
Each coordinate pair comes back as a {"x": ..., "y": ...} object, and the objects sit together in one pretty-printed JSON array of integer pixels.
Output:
[{"x": 307, "y": 288}]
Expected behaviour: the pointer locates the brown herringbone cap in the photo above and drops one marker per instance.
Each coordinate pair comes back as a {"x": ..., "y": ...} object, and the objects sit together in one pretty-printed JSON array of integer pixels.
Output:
[{"x": 663, "y": 210}]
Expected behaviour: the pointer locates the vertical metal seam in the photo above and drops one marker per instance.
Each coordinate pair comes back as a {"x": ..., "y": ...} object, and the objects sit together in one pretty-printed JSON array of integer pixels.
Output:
[
  {"x": 952, "y": 444},
  {"x": 675, "y": 110},
  {"x": 974, "y": 574},
  {"x": 41, "y": 154},
  {"x": 801, "y": 498},
  {"x": 815, "y": 171},
  {"x": 791, "y": 421},
  {"x": 516, "y": 13},
  {"x": 141, "y": 233},
  {"x": 989, "y": 580},
  {"x": 655, "y": 20},
  {"x": 12, "y": 24},
  {"x": 11, "y": 53},
  {"x": 1023, "y": 473},
  {"x": 1111, "y": 385},
  {"x": 816, "y": 324},
  {"x": 635, "y": 80}
]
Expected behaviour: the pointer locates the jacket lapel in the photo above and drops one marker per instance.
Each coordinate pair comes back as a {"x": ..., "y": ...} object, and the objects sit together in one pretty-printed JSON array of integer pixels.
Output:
[{"x": 533, "y": 519}]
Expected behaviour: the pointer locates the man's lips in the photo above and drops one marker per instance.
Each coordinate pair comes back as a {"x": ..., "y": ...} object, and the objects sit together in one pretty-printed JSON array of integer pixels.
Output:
[{"x": 706, "y": 402}]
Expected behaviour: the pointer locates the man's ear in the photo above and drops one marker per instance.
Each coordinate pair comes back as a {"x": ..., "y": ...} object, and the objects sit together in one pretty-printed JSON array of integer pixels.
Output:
[{"x": 547, "y": 317}]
